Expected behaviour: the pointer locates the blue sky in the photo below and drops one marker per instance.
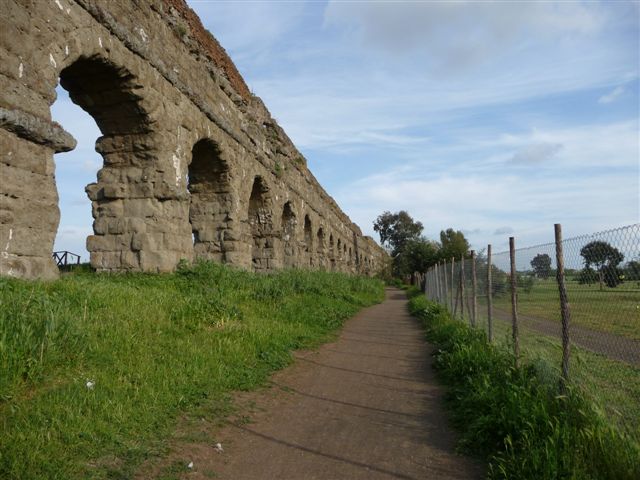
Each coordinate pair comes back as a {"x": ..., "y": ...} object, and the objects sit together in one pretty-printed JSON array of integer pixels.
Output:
[{"x": 498, "y": 119}]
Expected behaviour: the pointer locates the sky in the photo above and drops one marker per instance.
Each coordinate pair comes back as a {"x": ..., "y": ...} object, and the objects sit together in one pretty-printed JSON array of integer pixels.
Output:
[{"x": 495, "y": 118}]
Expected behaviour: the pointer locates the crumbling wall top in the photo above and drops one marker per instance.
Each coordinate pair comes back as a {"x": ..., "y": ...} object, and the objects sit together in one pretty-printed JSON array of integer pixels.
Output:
[{"x": 210, "y": 46}]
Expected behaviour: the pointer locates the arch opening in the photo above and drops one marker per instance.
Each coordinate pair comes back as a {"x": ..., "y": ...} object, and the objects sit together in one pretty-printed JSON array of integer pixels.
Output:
[
  {"x": 111, "y": 95},
  {"x": 288, "y": 229},
  {"x": 210, "y": 200},
  {"x": 320, "y": 247},
  {"x": 332, "y": 253},
  {"x": 308, "y": 240},
  {"x": 261, "y": 226}
]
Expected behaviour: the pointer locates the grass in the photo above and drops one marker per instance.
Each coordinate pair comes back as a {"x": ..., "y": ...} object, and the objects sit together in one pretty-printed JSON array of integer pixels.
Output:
[
  {"x": 154, "y": 347},
  {"x": 614, "y": 310},
  {"x": 515, "y": 417},
  {"x": 613, "y": 386}
]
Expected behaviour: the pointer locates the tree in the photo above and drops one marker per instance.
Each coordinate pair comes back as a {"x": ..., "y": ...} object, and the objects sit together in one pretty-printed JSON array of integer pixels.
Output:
[
  {"x": 632, "y": 271},
  {"x": 453, "y": 244},
  {"x": 541, "y": 265},
  {"x": 418, "y": 255},
  {"x": 396, "y": 229},
  {"x": 525, "y": 282},
  {"x": 605, "y": 258}
]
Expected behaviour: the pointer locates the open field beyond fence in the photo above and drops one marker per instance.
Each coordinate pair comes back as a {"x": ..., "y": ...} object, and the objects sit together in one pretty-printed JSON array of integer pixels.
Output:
[{"x": 601, "y": 329}]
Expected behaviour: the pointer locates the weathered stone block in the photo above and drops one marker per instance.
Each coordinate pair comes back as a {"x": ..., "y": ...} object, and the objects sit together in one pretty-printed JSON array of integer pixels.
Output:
[
  {"x": 144, "y": 241},
  {"x": 100, "y": 243},
  {"x": 114, "y": 191}
]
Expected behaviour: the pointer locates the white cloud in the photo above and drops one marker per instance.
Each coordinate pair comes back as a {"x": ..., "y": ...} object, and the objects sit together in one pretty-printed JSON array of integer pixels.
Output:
[
  {"x": 536, "y": 153},
  {"x": 251, "y": 30},
  {"x": 459, "y": 35},
  {"x": 612, "y": 95},
  {"x": 482, "y": 204}
]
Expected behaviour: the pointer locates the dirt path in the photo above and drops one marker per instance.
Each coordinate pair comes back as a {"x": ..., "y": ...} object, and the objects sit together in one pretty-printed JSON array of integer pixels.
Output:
[
  {"x": 364, "y": 407},
  {"x": 615, "y": 347}
]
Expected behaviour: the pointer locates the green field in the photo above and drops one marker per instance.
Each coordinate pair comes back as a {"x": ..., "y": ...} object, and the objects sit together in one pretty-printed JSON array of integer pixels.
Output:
[
  {"x": 96, "y": 369},
  {"x": 614, "y": 310},
  {"x": 614, "y": 386}
]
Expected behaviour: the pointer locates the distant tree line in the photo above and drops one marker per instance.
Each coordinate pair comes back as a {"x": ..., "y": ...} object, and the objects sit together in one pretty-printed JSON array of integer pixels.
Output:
[{"x": 411, "y": 252}]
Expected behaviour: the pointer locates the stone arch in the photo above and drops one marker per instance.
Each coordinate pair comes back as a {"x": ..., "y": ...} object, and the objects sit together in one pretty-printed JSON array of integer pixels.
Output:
[
  {"x": 210, "y": 200},
  {"x": 112, "y": 95},
  {"x": 308, "y": 240},
  {"x": 350, "y": 257},
  {"x": 345, "y": 257},
  {"x": 261, "y": 225},
  {"x": 320, "y": 247},
  {"x": 288, "y": 223},
  {"x": 332, "y": 253}
]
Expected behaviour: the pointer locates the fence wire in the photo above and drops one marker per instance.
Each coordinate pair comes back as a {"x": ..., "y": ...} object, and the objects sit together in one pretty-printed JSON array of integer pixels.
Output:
[{"x": 602, "y": 282}]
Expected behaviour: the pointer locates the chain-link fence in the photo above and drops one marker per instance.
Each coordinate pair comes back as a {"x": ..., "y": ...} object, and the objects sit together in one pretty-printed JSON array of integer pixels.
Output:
[{"x": 591, "y": 338}]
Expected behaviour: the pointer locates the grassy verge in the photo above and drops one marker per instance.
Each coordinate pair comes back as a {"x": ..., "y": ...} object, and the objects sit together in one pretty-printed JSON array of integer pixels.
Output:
[
  {"x": 612, "y": 386},
  {"x": 515, "y": 417},
  {"x": 95, "y": 369}
]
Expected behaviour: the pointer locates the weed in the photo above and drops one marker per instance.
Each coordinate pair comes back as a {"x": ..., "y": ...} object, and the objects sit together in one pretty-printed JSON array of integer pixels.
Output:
[{"x": 278, "y": 170}]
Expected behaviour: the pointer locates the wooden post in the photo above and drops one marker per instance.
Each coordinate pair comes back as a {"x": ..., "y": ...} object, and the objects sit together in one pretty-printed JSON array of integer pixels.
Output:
[
  {"x": 564, "y": 306},
  {"x": 462, "y": 286},
  {"x": 431, "y": 286},
  {"x": 457, "y": 295},
  {"x": 445, "y": 285},
  {"x": 426, "y": 284},
  {"x": 453, "y": 300},
  {"x": 436, "y": 282},
  {"x": 474, "y": 290},
  {"x": 489, "y": 296},
  {"x": 440, "y": 289},
  {"x": 514, "y": 299}
]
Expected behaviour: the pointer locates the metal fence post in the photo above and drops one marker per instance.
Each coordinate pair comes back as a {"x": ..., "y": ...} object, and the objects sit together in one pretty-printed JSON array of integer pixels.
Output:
[
  {"x": 489, "y": 296},
  {"x": 564, "y": 305},
  {"x": 474, "y": 293},
  {"x": 514, "y": 300}
]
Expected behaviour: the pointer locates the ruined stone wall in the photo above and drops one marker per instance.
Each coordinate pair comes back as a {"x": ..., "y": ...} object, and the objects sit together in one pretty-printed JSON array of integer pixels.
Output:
[{"x": 194, "y": 164}]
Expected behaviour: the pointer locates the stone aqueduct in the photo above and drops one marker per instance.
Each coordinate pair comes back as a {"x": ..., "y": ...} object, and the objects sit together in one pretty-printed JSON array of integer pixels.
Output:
[{"x": 194, "y": 164}]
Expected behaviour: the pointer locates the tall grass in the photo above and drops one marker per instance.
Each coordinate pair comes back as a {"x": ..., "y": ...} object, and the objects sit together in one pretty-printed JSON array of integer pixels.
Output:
[
  {"x": 95, "y": 369},
  {"x": 515, "y": 417}
]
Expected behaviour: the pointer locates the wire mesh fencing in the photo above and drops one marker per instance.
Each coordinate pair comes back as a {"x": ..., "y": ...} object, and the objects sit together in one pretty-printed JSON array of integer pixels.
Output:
[{"x": 570, "y": 306}]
